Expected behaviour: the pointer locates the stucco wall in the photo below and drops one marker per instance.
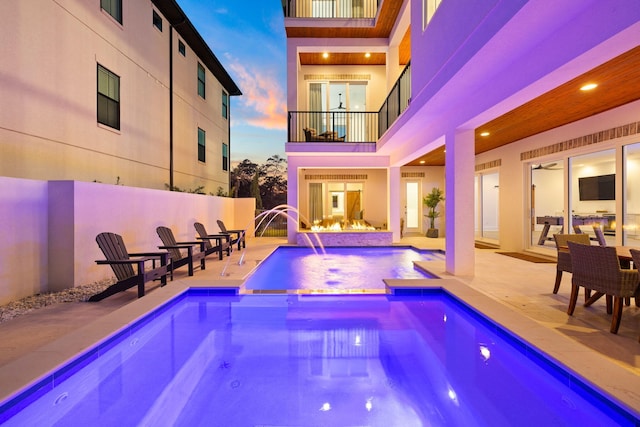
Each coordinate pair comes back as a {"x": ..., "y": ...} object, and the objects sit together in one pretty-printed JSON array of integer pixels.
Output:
[{"x": 49, "y": 228}]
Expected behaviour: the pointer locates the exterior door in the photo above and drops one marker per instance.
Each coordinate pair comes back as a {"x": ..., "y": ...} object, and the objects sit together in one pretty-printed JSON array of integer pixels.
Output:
[{"x": 412, "y": 207}]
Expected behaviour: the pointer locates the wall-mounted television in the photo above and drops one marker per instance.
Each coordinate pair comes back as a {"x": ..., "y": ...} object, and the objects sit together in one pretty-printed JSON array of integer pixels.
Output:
[{"x": 601, "y": 187}]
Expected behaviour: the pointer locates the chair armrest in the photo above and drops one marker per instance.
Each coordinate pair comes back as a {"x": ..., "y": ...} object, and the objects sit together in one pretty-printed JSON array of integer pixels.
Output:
[
  {"x": 150, "y": 254},
  {"x": 175, "y": 247},
  {"x": 123, "y": 261}
]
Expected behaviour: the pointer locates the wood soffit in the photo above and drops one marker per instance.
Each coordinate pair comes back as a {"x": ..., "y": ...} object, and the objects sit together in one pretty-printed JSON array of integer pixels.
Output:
[
  {"x": 383, "y": 25},
  {"x": 342, "y": 58},
  {"x": 618, "y": 82}
]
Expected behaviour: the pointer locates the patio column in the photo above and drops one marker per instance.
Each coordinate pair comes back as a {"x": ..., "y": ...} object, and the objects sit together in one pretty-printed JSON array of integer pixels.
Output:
[
  {"x": 394, "y": 213},
  {"x": 292, "y": 198},
  {"x": 459, "y": 202}
]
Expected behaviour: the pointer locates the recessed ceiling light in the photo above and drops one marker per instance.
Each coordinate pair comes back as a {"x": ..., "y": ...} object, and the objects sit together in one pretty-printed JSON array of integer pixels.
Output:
[
  {"x": 367, "y": 55},
  {"x": 589, "y": 86},
  {"x": 422, "y": 162},
  {"x": 325, "y": 55},
  {"x": 485, "y": 134}
]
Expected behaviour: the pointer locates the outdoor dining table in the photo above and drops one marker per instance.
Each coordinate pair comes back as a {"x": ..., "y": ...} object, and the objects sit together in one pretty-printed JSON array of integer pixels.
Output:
[{"x": 623, "y": 252}]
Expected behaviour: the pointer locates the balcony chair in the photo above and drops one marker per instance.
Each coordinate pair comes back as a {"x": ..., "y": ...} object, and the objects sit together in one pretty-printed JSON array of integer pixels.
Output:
[
  {"x": 178, "y": 257},
  {"x": 240, "y": 235},
  {"x": 311, "y": 135},
  {"x": 121, "y": 262},
  {"x": 598, "y": 268},
  {"x": 223, "y": 241},
  {"x": 564, "y": 257}
]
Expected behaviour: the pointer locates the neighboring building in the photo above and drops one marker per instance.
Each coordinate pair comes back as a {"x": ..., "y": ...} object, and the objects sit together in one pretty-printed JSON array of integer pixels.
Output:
[
  {"x": 112, "y": 91},
  {"x": 378, "y": 89}
]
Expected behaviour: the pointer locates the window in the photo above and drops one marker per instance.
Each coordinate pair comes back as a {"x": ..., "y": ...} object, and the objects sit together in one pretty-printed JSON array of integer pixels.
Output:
[
  {"x": 113, "y": 8},
  {"x": 225, "y": 104},
  {"x": 225, "y": 157},
  {"x": 201, "y": 86},
  {"x": 157, "y": 20},
  {"x": 181, "y": 48},
  {"x": 108, "y": 98},
  {"x": 202, "y": 136},
  {"x": 428, "y": 9}
]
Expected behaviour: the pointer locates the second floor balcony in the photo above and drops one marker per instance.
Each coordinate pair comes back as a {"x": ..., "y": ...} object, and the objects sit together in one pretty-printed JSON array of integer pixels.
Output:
[
  {"x": 334, "y": 9},
  {"x": 338, "y": 126}
]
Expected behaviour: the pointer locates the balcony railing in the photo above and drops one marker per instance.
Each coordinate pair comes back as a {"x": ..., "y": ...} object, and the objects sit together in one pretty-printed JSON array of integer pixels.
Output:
[
  {"x": 331, "y": 8},
  {"x": 333, "y": 126},
  {"x": 397, "y": 101}
]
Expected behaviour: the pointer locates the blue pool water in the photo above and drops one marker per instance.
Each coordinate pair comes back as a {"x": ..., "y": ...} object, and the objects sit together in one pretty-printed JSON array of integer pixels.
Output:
[
  {"x": 361, "y": 268},
  {"x": 313, "y": 360}
]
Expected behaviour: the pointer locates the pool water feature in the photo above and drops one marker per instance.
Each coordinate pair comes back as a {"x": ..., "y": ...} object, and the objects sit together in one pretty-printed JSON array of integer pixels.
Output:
[
  {"x": 338, "y": 269},
  {"x": 313, "y": 360}
]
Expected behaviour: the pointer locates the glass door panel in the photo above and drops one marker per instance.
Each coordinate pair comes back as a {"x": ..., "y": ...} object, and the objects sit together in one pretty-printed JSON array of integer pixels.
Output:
[
  {"x": 547, "y": 202},
  {"x": 593, "y": 197},
  {"x": 413, "y": 207},
  {"x": 631, "y": 201}
]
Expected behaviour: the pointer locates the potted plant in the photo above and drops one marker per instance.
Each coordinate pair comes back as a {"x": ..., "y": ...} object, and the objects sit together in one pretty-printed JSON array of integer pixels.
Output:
[{"x": 431, "y": 201}]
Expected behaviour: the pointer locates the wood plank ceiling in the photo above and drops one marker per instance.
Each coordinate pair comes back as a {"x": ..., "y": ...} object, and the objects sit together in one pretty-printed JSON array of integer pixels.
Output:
[
  {"x": 382, "y": 29},
  {"x": 618, "y": 84}
]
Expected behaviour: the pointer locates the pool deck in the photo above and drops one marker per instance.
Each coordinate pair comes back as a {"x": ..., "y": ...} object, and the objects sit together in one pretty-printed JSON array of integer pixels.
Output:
[{"x": 516, "y": 293}]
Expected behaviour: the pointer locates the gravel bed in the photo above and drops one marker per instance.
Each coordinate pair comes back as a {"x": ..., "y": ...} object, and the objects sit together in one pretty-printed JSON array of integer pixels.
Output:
[{"x": 34, "y": 302}]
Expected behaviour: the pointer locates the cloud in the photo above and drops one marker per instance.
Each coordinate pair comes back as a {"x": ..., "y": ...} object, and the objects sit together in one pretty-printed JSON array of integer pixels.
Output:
[{"x": 263, "y": 101}]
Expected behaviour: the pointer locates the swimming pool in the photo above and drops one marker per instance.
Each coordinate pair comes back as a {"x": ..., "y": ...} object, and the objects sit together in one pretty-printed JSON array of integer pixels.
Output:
[
  {"x": 313, "y": 360},
  {"x": 338, "y": 268}
]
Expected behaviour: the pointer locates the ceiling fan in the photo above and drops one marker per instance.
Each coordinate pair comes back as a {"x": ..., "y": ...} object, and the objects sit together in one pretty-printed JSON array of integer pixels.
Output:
[
  {"x": 340, "y": 106},
  {"x": 548, "y": 166}
]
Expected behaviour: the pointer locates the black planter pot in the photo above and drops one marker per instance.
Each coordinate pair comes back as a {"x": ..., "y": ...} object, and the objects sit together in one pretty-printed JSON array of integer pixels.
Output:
[{"x": 432, "y": 232}]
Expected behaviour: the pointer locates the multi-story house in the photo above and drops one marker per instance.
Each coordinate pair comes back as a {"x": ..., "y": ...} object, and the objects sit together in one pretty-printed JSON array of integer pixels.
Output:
[
  {"x": 390, "y": 98},
  {"x": 112, "y": 91}
]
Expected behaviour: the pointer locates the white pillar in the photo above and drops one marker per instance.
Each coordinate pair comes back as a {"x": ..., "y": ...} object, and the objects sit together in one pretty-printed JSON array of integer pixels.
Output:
[
  {"x": 292, "y": 199},
  {"x": 459, "y": 202},
  {"x": 395, "y": 192}
]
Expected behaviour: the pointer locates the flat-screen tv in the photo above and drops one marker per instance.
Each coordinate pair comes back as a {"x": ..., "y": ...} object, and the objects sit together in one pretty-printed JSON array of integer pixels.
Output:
[{"x": 601, "y": 187}]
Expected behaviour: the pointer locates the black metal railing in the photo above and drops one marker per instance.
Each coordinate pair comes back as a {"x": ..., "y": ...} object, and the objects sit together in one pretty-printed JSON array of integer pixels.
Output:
[
  {"x": 271, "y": 225},
  {"x": 366, "y": 9},
  {"x": 397, "y": 101},
  {"x": 333, "y": 126}
]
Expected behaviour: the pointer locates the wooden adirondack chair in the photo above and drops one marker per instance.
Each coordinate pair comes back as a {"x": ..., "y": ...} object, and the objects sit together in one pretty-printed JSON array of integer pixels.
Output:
[
  {"x": 121, "y": 262},
  {"x": 239, "y": 238},
  {"x": 223, "y": 241},
  {"x": 178, "y": 257}
]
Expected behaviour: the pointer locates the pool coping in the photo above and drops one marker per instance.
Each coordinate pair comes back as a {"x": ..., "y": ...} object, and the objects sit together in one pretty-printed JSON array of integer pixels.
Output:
[{"x": 621, "y": 384}]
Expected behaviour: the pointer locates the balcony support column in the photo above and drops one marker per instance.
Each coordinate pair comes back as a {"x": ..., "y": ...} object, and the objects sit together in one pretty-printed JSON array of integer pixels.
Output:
[
  {"x": 459, "y": 201},
  {"x": 394, "y": 190}
]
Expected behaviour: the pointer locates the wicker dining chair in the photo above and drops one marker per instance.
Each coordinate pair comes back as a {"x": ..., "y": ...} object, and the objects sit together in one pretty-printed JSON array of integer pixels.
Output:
[
  {"x": 598, "y": 268},
  {"x": 599, "y": 235},
  {"x": 564, "y": 257}
]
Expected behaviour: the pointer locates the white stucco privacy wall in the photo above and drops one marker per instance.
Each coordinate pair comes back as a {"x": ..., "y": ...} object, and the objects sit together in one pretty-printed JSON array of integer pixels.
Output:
[
  {"x": 23, "y": 237},
  {"x": 49, "y": 228}
]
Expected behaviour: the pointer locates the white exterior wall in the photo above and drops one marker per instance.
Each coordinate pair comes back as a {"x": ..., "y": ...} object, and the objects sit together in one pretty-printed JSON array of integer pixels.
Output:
[
  {"x": 48, "y": 82},
  {"x": 49, "y": 228},
  {"x": 514, "y": 215}
]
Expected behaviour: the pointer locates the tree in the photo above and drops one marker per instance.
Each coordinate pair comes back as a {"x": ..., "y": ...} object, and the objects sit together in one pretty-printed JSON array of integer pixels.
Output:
[
  {"x": 255, "y": 190},
  {"x": 241, "y": 177},
  {"x": 267, "y": 183},
  {"x": 431, "y": 201},
  {"x": 273, "y": 187}
]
